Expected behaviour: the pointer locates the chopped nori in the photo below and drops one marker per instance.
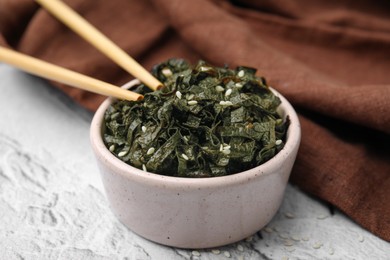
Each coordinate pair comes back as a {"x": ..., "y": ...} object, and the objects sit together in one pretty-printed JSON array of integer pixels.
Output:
[{"x": 206, "y": 122}]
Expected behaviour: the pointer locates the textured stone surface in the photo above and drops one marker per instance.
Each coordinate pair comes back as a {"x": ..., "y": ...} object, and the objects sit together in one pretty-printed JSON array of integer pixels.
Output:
[{"x": 53, "y": 206}]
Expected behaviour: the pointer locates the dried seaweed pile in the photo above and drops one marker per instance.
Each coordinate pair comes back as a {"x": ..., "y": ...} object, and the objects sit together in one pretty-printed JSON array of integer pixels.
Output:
[{"x": 206, "y": 121}]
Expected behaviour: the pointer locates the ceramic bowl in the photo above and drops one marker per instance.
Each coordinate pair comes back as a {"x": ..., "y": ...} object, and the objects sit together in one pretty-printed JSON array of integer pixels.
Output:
[{"x": 195, "y": 212}]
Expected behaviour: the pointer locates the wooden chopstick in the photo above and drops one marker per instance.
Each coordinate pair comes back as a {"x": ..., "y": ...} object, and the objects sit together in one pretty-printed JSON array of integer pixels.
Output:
[
  {"x": 82, "y": 27},
  {"x": 57, "y": 73}
]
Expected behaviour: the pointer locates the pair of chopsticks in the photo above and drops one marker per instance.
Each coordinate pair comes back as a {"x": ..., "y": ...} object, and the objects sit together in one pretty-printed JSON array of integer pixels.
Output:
[{"x": 53, "y": 72}]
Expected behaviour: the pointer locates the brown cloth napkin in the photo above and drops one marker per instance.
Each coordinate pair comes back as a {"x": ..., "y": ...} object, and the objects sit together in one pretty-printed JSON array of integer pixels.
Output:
[{"x": 330, "y": 58}]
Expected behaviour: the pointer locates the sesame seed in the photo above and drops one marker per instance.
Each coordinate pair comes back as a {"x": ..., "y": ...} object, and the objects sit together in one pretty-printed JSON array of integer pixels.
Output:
[
  {"x": 190, "y": 96},
  {"x": 112, "y": 148},
  {"x": 205, "y": 68},
  {"x": 178, "y": 94},
  {"x": 305, "y": 238},
  {"x": 226, "y": 151},
  {"x": 249, "y": 239},
  {"x": 195, "y": 253},
  {"x": 317, "y": 245},
  {"x": 192, "y": 102},
  {"x": 278, "y": 142},
  {"x": 240, "y": 248},
  {"x": 215, "y": 251},
  {"x": 288, "y": 242},
  {"x": 239, "y": 85},
  {"x": 241, "y": 73},
  {"x": 144, "y": 167},
  {"x": 331, "y": 251},
  {"x": 290, "y": 249},
  {"x": 225, "y": 103},
  {"x": 143, "y": 128},
  {"x": 287, "y": 214},
  {"x": 322, "y": 216},
  {"x": 227, "y": 254},
  {"x": 295, "y": 238},
  {"x": 283, "y": 235},
  {"x": 185, "y": 157},
  {"x": 122, "y": 153},
  {"x": 268, "y": 230},
  {"x": 361, "y": 238},
  {"x": 219, "y": 88},
  {"x": 150, "y": 151},
  {"x": 167, "y": 72},
  {"x": 228, "y": 92}
]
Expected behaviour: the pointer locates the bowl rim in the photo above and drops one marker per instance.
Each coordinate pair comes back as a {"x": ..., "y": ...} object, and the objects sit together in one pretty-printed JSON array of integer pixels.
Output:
[{"x": 127, "y": 171}]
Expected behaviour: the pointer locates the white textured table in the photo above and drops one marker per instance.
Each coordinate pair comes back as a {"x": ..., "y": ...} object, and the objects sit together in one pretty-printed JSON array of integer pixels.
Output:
[{"x": 53, "y": 206}]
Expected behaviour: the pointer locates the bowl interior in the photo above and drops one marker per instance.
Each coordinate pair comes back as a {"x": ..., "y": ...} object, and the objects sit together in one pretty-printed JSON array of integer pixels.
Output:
[{"x": 292, "y": 142}]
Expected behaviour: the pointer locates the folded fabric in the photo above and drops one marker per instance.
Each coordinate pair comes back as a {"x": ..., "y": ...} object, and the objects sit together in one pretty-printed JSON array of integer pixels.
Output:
[{"x": 331, "y": 59}]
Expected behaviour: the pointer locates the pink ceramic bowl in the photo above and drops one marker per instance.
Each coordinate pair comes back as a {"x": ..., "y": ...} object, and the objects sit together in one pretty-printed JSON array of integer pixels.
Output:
[{"x": 195, "y": 212}]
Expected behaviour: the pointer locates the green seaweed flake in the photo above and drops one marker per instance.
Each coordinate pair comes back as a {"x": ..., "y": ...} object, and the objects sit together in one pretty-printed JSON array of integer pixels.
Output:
[{"x": 206, "y": 122}]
